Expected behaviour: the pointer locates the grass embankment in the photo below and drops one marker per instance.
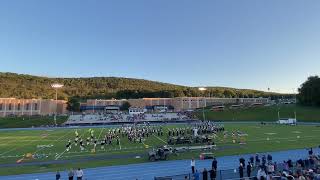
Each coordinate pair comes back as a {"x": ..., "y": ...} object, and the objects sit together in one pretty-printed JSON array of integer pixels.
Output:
[{"x": 263, "y": 113}]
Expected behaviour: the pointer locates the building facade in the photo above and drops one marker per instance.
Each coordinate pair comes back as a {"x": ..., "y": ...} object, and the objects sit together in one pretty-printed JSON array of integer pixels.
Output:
[{"x": 31, "y": 107}]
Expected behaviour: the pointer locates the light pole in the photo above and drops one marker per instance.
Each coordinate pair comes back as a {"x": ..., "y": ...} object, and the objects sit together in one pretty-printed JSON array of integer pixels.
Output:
[
  {"x": 203, "y": 89},
  {"x": 56, "y": 86}
]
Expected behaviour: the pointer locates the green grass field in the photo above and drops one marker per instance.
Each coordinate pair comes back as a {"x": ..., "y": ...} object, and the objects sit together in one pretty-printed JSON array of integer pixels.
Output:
[
  {"x": 304, "y": 113},
  {"x": 14, "y": 145},
  {"x": 26, "y": 122}
]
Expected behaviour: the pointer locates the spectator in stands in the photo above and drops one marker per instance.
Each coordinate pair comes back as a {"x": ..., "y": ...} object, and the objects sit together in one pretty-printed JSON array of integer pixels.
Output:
[
  {"x": 193, "y": 165},
  {"x": 79, "y": 174},
  {"x": 241, "y": 171},
  {"x": 205, "y": 174},
  {"x": 58, "y": 176},
  {"x": 71, "y": 174},
  {"x": 214, "y": 163}
]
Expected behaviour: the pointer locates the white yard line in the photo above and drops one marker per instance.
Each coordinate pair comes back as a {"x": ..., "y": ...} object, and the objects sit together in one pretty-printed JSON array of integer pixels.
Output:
[
  {"x": 24, "y": 146},
  {"x": 100, "y": 133},
  {"x": 60, "y": 154},
  {"x": 69, "y": 132},
  {"x": 66, "y": 149},
  {"x": 160, "y": 139}
]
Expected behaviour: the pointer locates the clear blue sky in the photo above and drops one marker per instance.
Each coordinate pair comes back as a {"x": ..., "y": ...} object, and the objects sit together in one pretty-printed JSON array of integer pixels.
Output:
[{"x": 237, "y": 43}]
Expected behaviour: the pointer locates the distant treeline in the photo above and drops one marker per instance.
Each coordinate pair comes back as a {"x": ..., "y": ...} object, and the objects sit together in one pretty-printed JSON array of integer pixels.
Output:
[{"x": 27, "y": 86}]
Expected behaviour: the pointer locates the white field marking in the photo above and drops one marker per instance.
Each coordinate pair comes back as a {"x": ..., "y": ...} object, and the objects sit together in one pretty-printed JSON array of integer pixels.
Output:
[
  {"x": 101, "y": 133},
  {"x": 66, "y": 149},
  {"x": 110, "y": 150},
  {"x": 296, "y": 132},
  {"x": 23, "y": 146},
  {"x": 69, "y": 132},
  {"x": 60, "y": 154},
  {"x": 11, "y": 140},
  {"x": 160, "y": 139},
  {"x": 292, "y": 140},
  {"x": 270, "y": 133},
  {"x": 79, "y": 154},
  {"x": 120, "y": 143}
]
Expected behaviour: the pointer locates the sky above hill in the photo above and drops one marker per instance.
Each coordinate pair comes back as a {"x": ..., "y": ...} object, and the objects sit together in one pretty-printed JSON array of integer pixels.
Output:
[{"x": 234, "y": 43}]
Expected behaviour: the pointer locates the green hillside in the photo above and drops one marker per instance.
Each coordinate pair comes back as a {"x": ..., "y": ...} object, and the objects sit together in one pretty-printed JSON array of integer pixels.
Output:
[
  {"x": 304, "y": 113},
  {"x": 27, "y": 86}
]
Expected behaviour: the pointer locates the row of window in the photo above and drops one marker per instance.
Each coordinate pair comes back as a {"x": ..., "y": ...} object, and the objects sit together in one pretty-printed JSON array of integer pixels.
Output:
[{"x": 20, "y": 107}]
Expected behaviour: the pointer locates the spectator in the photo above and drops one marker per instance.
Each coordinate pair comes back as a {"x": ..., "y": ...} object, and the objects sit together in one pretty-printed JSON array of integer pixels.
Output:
[
  {"x": 269, "y": 177},
  {"x": 213, "y": 174},
  {"x": 251, "y": 160},
  {"x": 249, "y": 168},
  {"x": 214, "y": 163},
  {"x": 205, "y": 174},
  {"x": 261, "y": 174},
  {"x": 290, "y": 164},
  {"x": 257, "y": 160},
  {"x": 310, "y": 152},
  {"x": 269, "y": 158},
  {"x": 241, "y": 171},
  {"x": 58, "y": 176},
  {"x": 193, "y": 165},
  {"x": 196, "y": 175},
  {"x": 264, "y": 160},
  {"x": 71, "y": 174},
  {"x": 242, "y": 161},
  {"x": 79, "y": 174}
]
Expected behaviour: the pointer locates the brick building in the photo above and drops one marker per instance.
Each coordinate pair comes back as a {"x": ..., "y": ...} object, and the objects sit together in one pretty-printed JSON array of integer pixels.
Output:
[{"x": 30, "y": 107}]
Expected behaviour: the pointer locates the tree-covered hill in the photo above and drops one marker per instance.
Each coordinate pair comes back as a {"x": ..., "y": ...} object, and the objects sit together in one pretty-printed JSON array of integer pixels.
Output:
[{"x": 28, "y": 86}]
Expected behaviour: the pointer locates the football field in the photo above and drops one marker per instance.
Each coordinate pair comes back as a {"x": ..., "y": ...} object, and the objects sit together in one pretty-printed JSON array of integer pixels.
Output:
[{"x": 45, "y": 150}]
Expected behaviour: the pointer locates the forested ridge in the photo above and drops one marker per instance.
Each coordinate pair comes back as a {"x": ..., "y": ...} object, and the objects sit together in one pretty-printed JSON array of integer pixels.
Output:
[{"x": 28, "y": 86}]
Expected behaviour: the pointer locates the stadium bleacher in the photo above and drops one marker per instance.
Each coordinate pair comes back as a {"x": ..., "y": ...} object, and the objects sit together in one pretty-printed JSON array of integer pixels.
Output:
[{"x": 105, "y": 118}]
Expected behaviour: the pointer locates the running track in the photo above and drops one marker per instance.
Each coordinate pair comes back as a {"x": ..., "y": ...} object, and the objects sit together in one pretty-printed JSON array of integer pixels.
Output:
[{"x": 147, "y": 171}]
